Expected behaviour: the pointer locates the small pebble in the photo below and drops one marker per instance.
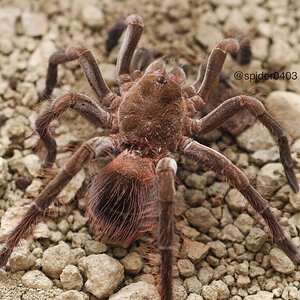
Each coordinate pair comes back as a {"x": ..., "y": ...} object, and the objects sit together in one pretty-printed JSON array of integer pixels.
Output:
[
  {"x": 37, "y": 280},
  {"x": 55, "y": 259},
  {"x": 71, "y": 278},
  {"x": 280, "y": 262},
  {"x": 132, "y": 263},
  {"x": 73, "y": 295},
  {"x": 104, "y": 274},
  {"x": 137, "y": 291},
  {"x": 255, "y": 239}
]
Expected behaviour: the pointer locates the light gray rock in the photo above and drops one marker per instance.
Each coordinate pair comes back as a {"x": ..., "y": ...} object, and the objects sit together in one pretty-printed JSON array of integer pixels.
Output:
[
  {"x": 3, "y": 175},
  {"x": 242, "y": 268},
  {"x": 209, "y": 35},
  {"x": 194, "y": 197},
  {"x": 218, "y": 248},
  {"x": 242, "y": 280},
  {"x": 36, "y": 62},
  {"x": 194, "y": 250},
  {"x": 285, "y": 107},
  {"x": 231, "y": 233},
  {"x": 42, "y": 231},
  {"x": 196, "y": 181},
  {"x": 192, "y": 285},
  {"x": 221, "y": 288},
  {"x": 79, "y": 239},
  {"x": 8, "y": 18},
  {"x": 244, "y": 223},
  {"x": 235, "y": 200},
  {"x": 281, "y": 54},
  {"x": 186, "y": 267},
  {"x": 236, "y": 20},
  {"x": 256, "y": 271},
  {"x": 201, "y": 218},
  {"x": 205, "y": 275},
  {"x": 79, "y": 221},
  {"x": 73, "y": 295},
  {"x": 109, "y": 73},
  {"x": 32, "y": 164},
  {"x": 255, "y": 138},
  {"x": 132, "y": 263},
  {"x": 261, "y": 49},
  {"x": 11, "y": 218},
  {"x": 76, "y": 255},
  {"x": 37, "y": 280},
  {"x": 92, "y": 16},
  {"x": 71, "y": 278},
  {"x": 138, "y": 291},
  {"x": 209, "y": 293},
  {"x": 34, "y": 188},
  {"x": 193, "y": 296},
  {"x": 94, "y": 247},
  {"x": 261, "y": 295},
  {"x": 263, "y": 156},
  {"x": 255, "y": 239},
  {"x": 104, "y": 274},
  {"x": 21, "y": 259},
  {"x": 34, "y": 24},
  {"x": 295, "y": 200},
  {"x": 295, "y": 220},
  {"x": 6, "y": 46},
  {"x": 176, "y": 9},
  {"x": 296, "y": 146},
  {"x": 218, "y": 189},
  {"x": 280, "y": 262},
  {"x": 270, "y": 178},
  {"x": 55, "y": 259}
]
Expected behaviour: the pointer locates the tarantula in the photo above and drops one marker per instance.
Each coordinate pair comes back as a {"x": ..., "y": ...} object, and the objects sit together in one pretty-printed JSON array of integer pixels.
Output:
[{"x": 150, "y": 119}]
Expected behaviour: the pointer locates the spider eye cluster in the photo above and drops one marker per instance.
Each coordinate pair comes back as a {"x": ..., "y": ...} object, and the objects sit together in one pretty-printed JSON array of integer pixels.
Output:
[{"x": 161, "y": 80}]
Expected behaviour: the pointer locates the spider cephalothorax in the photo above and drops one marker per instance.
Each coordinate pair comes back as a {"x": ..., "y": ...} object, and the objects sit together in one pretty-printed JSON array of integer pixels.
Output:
[
  {"x": 157, "y": 93},
  {"x": 150, "y": 119}
]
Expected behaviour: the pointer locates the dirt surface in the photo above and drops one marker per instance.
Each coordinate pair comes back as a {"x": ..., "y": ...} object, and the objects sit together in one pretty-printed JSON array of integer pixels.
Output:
[{"x": 238, "y": 262}]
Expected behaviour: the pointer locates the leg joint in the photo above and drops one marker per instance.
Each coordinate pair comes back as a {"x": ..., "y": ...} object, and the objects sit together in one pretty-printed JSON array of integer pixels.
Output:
[
  {"x": 253, "y": 105},
  {"x": 165, "y": 164}
]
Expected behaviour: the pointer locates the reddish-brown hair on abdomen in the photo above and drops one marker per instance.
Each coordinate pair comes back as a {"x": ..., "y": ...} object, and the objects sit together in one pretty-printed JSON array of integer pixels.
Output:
[{"x": 122, "y": 200}]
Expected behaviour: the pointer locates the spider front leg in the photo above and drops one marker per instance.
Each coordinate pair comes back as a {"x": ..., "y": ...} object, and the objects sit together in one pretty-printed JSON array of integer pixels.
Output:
[
  {"x": 221, "y": 165},
  {"x": 140, "y": 59},
  {"x": 207, "y": 81},
  {"x": 84, "y": 105},
  {"x": 230, "y": 107},
  {"x": 90, "y": 69},
  {"x": 166, "y": 170},
  {"x": 133, "y": 34},
  {"x": 93, "y": 148}
]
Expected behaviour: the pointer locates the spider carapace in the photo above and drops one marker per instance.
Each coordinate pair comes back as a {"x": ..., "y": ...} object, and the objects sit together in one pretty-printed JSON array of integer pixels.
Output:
[{"x": 152, "y": 117}]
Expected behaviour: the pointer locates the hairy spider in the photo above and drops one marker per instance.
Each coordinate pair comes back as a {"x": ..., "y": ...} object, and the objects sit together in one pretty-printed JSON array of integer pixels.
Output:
[{"x": 150, "y": 119}]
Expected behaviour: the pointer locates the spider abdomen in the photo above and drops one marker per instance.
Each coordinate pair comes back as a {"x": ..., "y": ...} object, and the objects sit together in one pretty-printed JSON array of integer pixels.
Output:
[{"x": 122, "y": 200}]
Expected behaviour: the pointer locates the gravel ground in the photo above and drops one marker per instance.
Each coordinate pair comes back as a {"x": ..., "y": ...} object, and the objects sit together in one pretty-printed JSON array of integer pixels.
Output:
[{"x": 224, "y": 250}]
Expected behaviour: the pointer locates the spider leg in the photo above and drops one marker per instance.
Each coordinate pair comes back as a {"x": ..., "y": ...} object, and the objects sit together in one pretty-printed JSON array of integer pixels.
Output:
[
  {"x": 209, "y": 79},
  {"x": 84, "y": 105},
  {"x": 221, "y": 165},
  {"x": 165, "y": 171},
  {"x": 230, "y": 107},
  {"x": 93, "y": 148},
  {"x": 90, "y": 69},
  {"x": 141, "y": 57},
  {"x": 133, "y": 34}
]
